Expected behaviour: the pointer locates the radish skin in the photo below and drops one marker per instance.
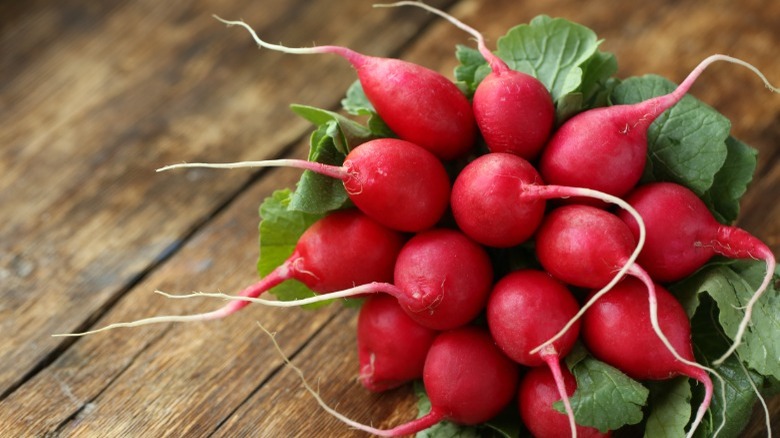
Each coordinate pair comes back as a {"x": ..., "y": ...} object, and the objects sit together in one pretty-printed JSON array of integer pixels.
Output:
[
  {"x": 498, "y": 200},
  {"x": 525, "y": 308},
  {"x": 615, "y": 331},
  {"x": 673, "y": 253},
  {"x": 417, "y": 103},
  {"x": 514, "y": 111},
  {"x": 582, "y": 245},
  {"x": 614, "y": 139},
  {"x": 391, "y": 346},
  {"x": 442, "y": 280}
]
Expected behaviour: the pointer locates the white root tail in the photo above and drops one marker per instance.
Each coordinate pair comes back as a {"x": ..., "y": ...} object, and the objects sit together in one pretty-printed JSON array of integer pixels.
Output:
[{"x": 316, "y": 395}]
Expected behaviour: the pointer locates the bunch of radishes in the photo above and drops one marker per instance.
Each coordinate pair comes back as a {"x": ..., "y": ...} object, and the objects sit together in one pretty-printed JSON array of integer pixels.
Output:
[{"x": 430, "y": 207}]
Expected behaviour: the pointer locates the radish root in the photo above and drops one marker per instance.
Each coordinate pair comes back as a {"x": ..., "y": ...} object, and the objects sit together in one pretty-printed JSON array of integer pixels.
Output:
[
  {"x": 353, "y": 57},
  {"x": 315, "y": 394},
  {"x": 325, "y": 169},
  {"x": 346, "y": 293}
]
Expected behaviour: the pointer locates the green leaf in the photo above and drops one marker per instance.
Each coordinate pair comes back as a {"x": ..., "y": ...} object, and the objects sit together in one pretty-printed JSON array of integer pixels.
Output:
[
  {"x": 334, "y": 137},
  {"x": 568, "y": 106},
  {"x": 771, "y": 386},
  {"x": 560, "y": 53},
  {"x": 740, "y": 400},
  {"x": 595, "y": 89},
  {"x": 731, "y": 181},
  {"x": 605, "y": 398},
  {"x": 687, "y": 143},
  {"x": 472, "y": 68},
  {"x": 735, "y": 285},
  {"x": 316, "y": 193},
  {"x": 280, "y": 229},
  {"x": 346, "y": 133},
  {"x": 709, "y": 343},
  {"x": 670, "y": 408},
  {"x": 551, "y": 49},
  {"x": 723, "y": 287},
  {"x": 597, "y": 80},
  {"x": 355, "y": 102},
  {"x": 731, "y": 283}
]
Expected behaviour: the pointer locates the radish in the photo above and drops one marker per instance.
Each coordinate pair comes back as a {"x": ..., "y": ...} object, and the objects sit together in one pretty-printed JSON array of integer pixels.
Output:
[
  {"x": 615, "y": 330},
  {"x": 325, "y": 259},
  {"x": 379, "y": 176},
  {"x": 514, "y": 111},
  {"x": 391, "y": 346},
  {"x": 499, "y": 199},
  {"x": 613, "y": 140},
  {"x": 442, "y": 280},
  {"x": 584, "y": 246},
  {"x": 420, "y": 105},
  {"x": 445, "y": 276},
  {"x": 467, "y": 378},
  {"x": 525, "y": 308},
  {"x": 672, "y": 253},
  {"x": 537, "y": 392}
]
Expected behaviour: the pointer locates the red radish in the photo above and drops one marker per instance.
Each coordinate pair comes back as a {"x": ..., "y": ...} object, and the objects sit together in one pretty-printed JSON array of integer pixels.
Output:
[
  {"x": 514, "y": 111},
  {"x": 537, "y": 393},
  {"x": 391, "y": 346},
  {"x": 585, "y": 246},
  {"x": 467, "y": 378},
  {"x": 672, "y": 253},
  {"x": 325, "y": 259},
  {"x": 499, "y": 199},
  {"x": 395, "y": 182},
  {"x": 526, "y": 308},
  {"x": 615, "y": 330},
  {"x": 442, "y": 281},
  {"x": 417, "y": 103},
  {"x": 605, "y": 148},
  {"x": 446, "y": 278}
]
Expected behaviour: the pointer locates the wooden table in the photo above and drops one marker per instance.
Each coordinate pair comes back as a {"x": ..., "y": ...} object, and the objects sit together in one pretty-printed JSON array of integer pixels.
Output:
[{"x": 94, "y": 96}]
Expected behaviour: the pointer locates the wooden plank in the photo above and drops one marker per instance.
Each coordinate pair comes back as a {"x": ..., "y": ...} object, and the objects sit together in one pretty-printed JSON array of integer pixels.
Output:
[
  {"x": 204, "y": 369},
  {"x": 94, "y": 98},
  {"x": 283, "y": 408}
]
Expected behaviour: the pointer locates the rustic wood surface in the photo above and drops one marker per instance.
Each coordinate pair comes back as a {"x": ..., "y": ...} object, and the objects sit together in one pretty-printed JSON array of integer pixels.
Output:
[{"x": 96, "y": 95}]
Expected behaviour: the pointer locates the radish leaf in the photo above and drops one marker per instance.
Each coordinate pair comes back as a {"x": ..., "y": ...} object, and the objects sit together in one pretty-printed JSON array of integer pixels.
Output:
[
  {"x": 670, "y": 408},
  {"x": 356, "y": 103},
  {"x": 686, "y": 144},
  {"x": 605, "y": 398},
  {"x": 551, "y": 49},
  {"x": 560, "y": 53},
  {"x": 709, "y": 343},
  {"x": 334, "y": 137},
  {"x": 731, "y": 181},
  {"x": 280, "y": 228}
]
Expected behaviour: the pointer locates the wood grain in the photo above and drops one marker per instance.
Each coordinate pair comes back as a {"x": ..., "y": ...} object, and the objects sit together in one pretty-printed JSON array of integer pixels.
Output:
[{"x": 94, "y": 96}]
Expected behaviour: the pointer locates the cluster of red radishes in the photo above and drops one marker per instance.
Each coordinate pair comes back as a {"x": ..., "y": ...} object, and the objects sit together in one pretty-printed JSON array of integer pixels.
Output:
[{"x": 414, "y": 243}]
